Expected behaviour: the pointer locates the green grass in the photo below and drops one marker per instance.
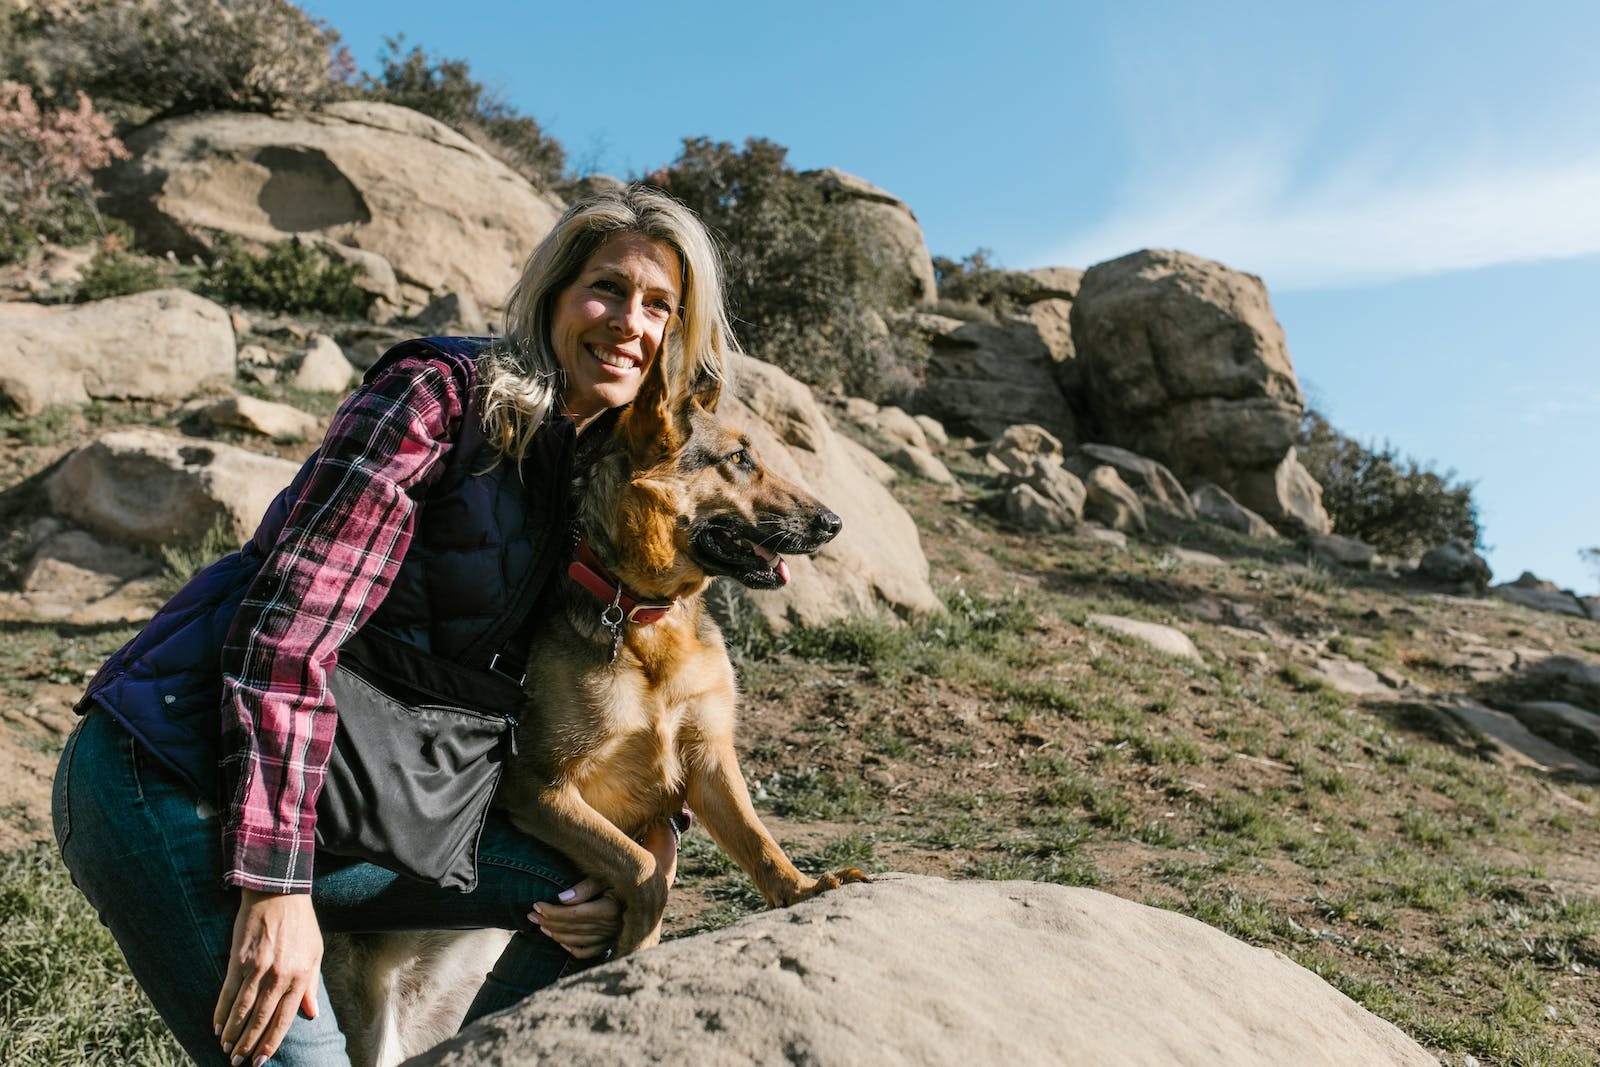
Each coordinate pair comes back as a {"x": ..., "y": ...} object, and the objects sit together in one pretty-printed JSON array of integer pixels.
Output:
[{"x": 65, "y": 993}]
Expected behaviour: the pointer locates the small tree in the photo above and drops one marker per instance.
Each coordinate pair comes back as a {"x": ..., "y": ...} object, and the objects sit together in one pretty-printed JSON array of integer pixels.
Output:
[
  {"x": 1591, "y": 559},
  {"x": 47, "y": 159},
  {"x": 974, "y": 283},
  {"x": 802, "y": 286},
  {"x": 446, "y": 90},
  {"x": 1394, "y": 503}
]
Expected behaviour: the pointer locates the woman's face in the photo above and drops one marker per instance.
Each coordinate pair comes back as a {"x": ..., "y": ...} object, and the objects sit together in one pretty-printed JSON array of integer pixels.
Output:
[{"x": 607, "y": 325}]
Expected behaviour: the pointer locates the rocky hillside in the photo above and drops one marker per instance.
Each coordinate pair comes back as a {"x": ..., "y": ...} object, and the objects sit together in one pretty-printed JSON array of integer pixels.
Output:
[{"x": 1088, "y": 622}]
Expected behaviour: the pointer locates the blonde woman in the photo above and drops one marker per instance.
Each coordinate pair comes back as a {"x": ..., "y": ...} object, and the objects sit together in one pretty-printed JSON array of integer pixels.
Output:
[{"x": 185, "y": 802}]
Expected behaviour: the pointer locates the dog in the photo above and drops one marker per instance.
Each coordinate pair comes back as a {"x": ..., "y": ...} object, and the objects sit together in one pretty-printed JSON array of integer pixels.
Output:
[{"x": 631, "y": 701}]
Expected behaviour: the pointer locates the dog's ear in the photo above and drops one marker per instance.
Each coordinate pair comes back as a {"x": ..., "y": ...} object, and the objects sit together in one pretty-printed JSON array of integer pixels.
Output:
[
  {"x": 706, "y": 390},
  {"x": 650, "y": 422}
]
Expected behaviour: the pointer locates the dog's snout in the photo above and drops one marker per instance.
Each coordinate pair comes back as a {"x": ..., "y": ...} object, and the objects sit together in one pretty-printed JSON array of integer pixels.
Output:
[{"x": 828, "y": 524}]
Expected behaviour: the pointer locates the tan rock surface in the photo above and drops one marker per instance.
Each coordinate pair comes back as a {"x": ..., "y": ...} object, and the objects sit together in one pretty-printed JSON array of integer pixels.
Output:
[
  {"x": 911, "y": 970},
  {"x": 144, "y": 487},
  {"x": 158, "y": 345},
  {"x": 897, "y": 246},
  {"x": 379, "y": 178}
]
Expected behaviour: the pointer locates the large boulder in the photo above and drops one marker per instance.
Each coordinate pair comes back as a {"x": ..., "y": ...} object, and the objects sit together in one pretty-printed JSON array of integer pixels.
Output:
[
  {"x": 892, "y": 234},
  {"x": 1213, "y": 504},
  {"x": 151, "y": 346},
  {"x": 985, "y": 376},
  {"x": 878, "y": 558},
  {"x": 908, "y": 970},
  {"x": 1154, "y": 483},
  {"x": 150, "y": 489},
  {"x": 1181, "y": 359},
  {"x": 374, "y": 177}
]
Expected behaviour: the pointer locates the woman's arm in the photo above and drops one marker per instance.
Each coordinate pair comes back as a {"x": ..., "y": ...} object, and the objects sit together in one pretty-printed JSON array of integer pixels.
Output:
[{"x": 330, "y": 569}]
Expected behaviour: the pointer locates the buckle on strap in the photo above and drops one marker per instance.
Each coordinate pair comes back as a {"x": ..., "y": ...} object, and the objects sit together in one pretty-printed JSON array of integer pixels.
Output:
[{"x": 494, "y": 666}]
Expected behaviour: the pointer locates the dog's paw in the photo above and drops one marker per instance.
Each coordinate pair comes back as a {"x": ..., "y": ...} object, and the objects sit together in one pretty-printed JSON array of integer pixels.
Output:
[{"x": 835, "y": 879}]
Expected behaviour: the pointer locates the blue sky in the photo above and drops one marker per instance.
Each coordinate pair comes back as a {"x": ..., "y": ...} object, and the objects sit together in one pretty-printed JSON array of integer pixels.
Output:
[{"x": 1417, "y": 183}]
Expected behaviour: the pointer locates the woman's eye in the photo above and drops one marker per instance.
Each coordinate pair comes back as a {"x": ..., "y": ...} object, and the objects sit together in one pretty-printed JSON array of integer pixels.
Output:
[
  {"x": 606, "y": 286},
  {"x": 661, "y": 305}
]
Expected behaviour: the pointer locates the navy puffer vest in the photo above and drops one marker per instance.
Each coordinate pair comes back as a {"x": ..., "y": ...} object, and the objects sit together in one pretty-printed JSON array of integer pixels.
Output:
[{"x": 484, "y": 531}]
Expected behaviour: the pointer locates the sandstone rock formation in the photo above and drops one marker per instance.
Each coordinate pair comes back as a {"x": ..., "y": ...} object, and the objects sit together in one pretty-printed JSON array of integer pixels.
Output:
[
  {"x": 910, "y": 970},
  {"x": 1341, "y": 551},
  {"x": 1155, "y": 485},
  {"x": 1111, "y": 501},
  {"x": 896, "y": 244},
  {"x": 322, "y": 367},
  {"x": 379, "y": 178},
  {"x": 878, "y": 556},
  {"x": 1045, "y": 496},
  {"x": 1455, "y": 563},
  {"x": 1182, "y": 360},
  {"x": 1172, "y": 641},
  {"x": 261, "y": 417},
  {"x": 985, "y": 376},
  {"x": 1019, "y": 447},
  {"x": 1531, "y": 591},
  {"x": 1213, "y": 504},
  {"x": 151, "y": 489},
  {"x": 151, "y": 346}
]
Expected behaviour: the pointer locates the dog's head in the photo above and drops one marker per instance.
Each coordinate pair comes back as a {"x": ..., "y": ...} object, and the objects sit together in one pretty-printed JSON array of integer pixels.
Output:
[{"x": 689, "y": 499}]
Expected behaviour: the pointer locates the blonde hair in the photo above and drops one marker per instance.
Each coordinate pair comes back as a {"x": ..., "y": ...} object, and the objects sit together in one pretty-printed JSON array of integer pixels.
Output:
[{"x": 520, "y": 376}]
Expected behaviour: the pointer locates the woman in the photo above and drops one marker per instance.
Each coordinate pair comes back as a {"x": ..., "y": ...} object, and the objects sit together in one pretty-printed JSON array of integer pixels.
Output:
[{"x": 441, "y": 490}]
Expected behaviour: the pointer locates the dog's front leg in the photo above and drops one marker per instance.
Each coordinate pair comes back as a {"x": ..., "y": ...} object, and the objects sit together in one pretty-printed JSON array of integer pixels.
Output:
[
  {"x": 559, "y": 816},
  {"x": 717, "y": 794}
]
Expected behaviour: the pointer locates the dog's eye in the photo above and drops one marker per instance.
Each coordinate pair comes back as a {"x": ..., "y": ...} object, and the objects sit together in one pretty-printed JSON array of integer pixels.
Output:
[{"x": 740, "y": 458}]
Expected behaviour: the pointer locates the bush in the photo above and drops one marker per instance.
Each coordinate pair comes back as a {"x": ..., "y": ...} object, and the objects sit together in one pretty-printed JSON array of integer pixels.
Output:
[
  {"x": 1395, "y": 504},
  {"x": 976, "y": 282},
  {"x": 446, "y": 90},
  {"x": 290, "y": 276},
  {"x": 160, "y": 57},
  {"x": 802, "y": 287},
  {"x": 47, "y": 156},
  {"x": 115, "y": 274}
]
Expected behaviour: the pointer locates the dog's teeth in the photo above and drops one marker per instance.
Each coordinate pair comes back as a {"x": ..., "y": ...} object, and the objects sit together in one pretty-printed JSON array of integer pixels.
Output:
[{"x": 765, "y": 553}]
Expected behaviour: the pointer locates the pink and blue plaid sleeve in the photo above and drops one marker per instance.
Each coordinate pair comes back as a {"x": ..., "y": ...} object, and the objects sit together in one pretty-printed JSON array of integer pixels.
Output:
[{"x": 330, "y": 569}]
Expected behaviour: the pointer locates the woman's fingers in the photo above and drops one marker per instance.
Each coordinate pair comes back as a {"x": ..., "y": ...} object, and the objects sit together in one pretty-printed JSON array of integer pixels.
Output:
[
  {"x": 585, "y": 890},
  {"x": 273, "y": 970},
  {"x": 584, "y": 929}
]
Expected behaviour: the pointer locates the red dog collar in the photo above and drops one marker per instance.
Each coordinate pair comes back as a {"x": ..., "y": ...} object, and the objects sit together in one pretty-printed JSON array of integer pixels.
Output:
[{"x": 587, "y": 570}]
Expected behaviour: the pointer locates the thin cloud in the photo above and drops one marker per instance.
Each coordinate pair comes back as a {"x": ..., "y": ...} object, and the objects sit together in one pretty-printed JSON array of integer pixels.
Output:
[{"x": 1349, "y": 229}]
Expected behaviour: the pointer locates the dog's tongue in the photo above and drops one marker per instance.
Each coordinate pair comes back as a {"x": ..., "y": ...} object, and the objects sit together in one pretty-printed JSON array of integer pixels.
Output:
[{"x": 770, "y": 556}]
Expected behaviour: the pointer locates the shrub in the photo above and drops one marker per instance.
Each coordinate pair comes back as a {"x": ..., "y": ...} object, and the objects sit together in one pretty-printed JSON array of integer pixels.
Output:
[
  {"x": 289, "y": 276},
  {"x": 157, "y": 57},
  {"x": 446, "y": 90},
  {"x": 976, "y": 282},
  {"x": 115, "y": 274},
  {"x": 801, "y": 284},
  {"x": 1399, "y": 506},
  {"x": 47, "y": 156}
]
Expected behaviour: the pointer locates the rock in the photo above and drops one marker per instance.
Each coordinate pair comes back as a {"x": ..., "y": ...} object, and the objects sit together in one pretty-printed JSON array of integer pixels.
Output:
[
  {"x": 1567, "y": 726},
  {"x": 895, "y": 245},
  {"x": 1342, "y": 551},
  {"x": 323, "y": 368},
  {"x": 158, "y": 345},
  {"x": 878, "y": 558},
  {"x": 1533, "y": 592},
  {"x": 1153, "y": 482},
  {"x": 1051, "y": 320},
  {"x": 1045, "y": 497},
  {"x": 1212, "y": 503},
  {"x": 1455, "y": 563},
  {"x": 859, "y": 409},
  {"x": 894, "y": 425},
  {"x": 1182, "y": 360},
  {"x": 376, "y": 275},
  {"x": 915, "y": 970},
  {"x": 868, "y": 460},
  {"x": 75, "y": 578},
  {"x": 1196, "y": 558},
  {"x": 1020, "y": 447},
  {"x": 145, "y": 488},
  {"x": 365, "y": 345},
  {"x": 1161, "y": 638},
  {"x": 262, "y": 417},
  {"x": 1516, "y": 745},
  {"x": 1114, "y": 538},
  {"x": 370, "y": 176},
  {"x": 985, "y": 376},
  {"x": 1570, "y": 679},
  {"x": 1109, "y": 500},
  {"x": 1055, "y": 283},
  {"x": 933, "y": 430},
  {"x": 452, "y": 313},
  {"x": 1349, "y": 677},
  {"x": 921, "y": 463}
]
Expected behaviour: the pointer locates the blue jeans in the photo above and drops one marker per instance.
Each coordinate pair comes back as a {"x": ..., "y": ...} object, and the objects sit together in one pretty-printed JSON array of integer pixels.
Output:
[{"x": 149, "y": 858}]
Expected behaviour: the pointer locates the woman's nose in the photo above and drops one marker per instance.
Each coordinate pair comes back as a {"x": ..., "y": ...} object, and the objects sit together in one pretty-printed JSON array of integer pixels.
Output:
[{"x": 627, "y": 316}]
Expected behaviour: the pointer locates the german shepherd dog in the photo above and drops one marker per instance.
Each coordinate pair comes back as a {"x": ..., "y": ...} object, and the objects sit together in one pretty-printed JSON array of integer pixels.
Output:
[{"x": 630, "y": 702}]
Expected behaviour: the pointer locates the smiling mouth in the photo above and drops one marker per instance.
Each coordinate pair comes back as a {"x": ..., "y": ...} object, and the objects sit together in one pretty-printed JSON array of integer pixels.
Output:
[{"x": 612, "y": 358}]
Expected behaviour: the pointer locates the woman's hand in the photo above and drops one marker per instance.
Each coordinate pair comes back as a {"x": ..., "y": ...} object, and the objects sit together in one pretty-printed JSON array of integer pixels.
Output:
[
  {"x": 273, "y": 969},
  {"x": 587, "y": 921}
]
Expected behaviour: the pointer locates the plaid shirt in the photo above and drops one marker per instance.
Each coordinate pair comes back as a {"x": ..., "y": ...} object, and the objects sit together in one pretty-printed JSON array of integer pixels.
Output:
[{"x": 334, "y": 562}]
